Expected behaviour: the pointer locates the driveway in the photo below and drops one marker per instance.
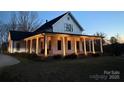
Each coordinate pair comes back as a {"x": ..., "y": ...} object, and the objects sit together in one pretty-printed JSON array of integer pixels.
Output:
[{"x": 6, "y": 60}]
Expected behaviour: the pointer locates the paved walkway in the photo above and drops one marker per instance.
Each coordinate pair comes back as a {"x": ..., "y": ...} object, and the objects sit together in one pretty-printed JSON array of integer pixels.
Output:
[{"x": 6, "y": 60}]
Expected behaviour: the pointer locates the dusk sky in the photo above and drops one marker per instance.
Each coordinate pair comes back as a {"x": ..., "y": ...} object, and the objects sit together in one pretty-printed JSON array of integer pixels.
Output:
[{"x": 110, "y": 23}]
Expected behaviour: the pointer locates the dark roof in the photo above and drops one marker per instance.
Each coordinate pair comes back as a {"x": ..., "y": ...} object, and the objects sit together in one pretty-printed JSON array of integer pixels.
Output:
[
  {"x": 19, "y": 35},
  {"x": 49, "y": 24},
  {"x": 47, "y": 27}
]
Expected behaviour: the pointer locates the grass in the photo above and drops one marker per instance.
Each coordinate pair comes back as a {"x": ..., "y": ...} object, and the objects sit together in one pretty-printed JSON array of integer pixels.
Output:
[{"x": 63, "y": 70}]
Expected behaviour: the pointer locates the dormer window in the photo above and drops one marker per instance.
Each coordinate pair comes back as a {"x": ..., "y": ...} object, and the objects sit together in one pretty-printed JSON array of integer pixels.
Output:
[
  {"x": 68, "y": 18},
  {"x": 68, "y": 27}
]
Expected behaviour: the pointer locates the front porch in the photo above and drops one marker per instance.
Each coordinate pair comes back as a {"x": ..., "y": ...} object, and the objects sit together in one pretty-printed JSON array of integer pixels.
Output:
[{"x": 49, "y": 44}]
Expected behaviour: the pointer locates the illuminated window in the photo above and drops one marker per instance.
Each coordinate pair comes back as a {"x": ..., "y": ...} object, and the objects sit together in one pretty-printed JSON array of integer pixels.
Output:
[{"x": 68, "y": 27}]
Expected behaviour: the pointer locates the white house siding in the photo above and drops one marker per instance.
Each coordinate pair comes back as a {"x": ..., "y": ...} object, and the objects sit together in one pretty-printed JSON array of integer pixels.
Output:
[
  {"x": 22, "y": 46},
  {"x": 59, "y": 25}
]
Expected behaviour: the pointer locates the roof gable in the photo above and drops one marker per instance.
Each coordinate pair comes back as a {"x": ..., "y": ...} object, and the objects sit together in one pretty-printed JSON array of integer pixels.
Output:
[
  {"x": 81, "y": 28},
  {"x": 45, "y": 27},
  {"x": 67, "y": 24},
  {"x": 49, "y": 24}
]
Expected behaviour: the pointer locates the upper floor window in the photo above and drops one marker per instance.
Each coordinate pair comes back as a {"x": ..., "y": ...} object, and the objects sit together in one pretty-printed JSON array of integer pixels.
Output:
[
  {"x": 68, "y": 27},
  {"x": 68, "y": 18}
]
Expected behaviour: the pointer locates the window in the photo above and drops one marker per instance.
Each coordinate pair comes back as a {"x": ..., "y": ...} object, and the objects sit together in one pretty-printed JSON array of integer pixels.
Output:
[
  {"x": 18, "y": 46},
  {"x": 69, "y": 45},
  {"x": 77, "y": 45},
  {"x": 68, "y": 18},
  {"x": 59, "y": 44},
  {"x": 68, "y": 27}
]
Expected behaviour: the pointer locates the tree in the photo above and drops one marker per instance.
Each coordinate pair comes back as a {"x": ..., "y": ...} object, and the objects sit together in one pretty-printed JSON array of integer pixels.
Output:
[
  {"x": 13, "y": 21},
  {"x": 25, "y": 21},
  {"x": 4, "y": 29},
  {"x": 113, "y": 40},
  {"x": 100, "y": 34},
  {"x": 117, "y": 36}
]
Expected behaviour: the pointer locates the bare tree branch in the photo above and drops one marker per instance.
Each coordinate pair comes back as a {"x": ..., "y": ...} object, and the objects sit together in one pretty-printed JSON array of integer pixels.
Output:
[
  {"x": 13, "y": 21},
  {"x": 4, "y": 29},
  {"x": 28, "y": 21},
  {"x": 101, "y": 34},
  {"x": 24, "y": 21}
]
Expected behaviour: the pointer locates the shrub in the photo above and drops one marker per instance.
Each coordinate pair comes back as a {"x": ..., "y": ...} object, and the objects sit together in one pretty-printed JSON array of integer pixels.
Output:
[
  {"x": 81, "y": 56},
  {"x": 96, "y": 55},
  {"x": 71, "y": 56},
  {"x": 114, "y": 49},
  {"x": 57, "y": 56},
  {"x": 32, "y": 56}
]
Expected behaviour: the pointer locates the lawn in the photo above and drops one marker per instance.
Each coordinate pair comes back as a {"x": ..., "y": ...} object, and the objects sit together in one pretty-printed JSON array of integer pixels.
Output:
[{"x": 94, "y": 69}]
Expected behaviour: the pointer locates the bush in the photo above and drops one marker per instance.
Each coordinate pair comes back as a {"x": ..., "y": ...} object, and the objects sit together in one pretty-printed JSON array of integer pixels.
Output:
[
  {"x": 114, "y": 49},
  {"x": 71, "y": 56},
  {"x": 57, "y": 56},
  {"x": 96, "y": 55},
  {"x": 32, "y": 56},
  {"x": 82, "y": 56}
]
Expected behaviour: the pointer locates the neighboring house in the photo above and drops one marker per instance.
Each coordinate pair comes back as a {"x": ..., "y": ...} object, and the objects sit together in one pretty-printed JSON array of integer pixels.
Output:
[
  {"x": 106, "y": 42},
  {"x": 60, "y": 36}
]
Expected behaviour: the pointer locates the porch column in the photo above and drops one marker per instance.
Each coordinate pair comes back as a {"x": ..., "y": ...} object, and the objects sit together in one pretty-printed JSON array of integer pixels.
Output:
[
  {"x": 11, "y": 46},
  {"x": 101, "y": 46},
  {"x": 90, "y": 46},
  {"x": 93, "y": 46},
  {"x": 37, "y": 44},
  {"x": 26, "y": 46},
  {"x": 63, "y": 45},
  {"x": 80, "y": 43},
  {"x": 45, "y": 45},
  {"x": 85, "y": 51},
  {"x": 75, "y": 46},
  {"x": 30, "y": 46}
]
